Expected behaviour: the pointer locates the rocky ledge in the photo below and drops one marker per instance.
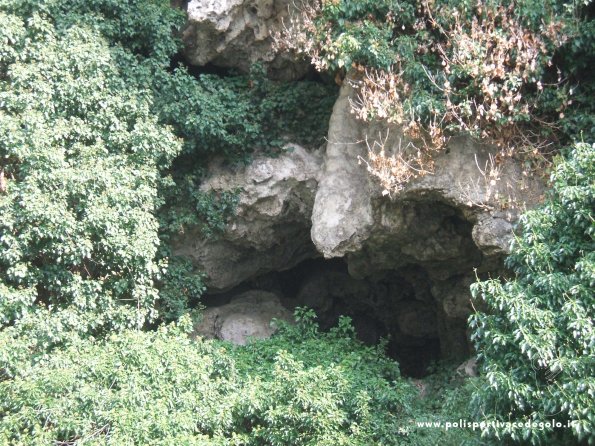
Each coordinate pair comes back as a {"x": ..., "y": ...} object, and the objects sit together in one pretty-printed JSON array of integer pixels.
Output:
[{"x": 422, "y": 247}]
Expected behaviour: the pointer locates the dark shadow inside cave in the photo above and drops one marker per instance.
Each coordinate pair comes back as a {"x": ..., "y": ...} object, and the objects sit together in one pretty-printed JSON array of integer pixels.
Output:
[
  {"x": 397, "y": 305},
  {"x": 409, "y": 283}
]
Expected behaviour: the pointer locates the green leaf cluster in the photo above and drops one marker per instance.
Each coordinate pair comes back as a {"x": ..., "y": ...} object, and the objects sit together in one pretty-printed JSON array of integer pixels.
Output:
[
  {"x": 537, "y": 339},
  {"x": 301, "y": 387},
  {"x": 81, "y": 153},
  {"x": 413, "y": 40},
  {"x": 97, "y": 133}
]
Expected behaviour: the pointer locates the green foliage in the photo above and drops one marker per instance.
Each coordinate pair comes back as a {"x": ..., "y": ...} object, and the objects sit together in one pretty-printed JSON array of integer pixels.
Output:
[
  {"x": 499, "y": 69},
  {"x": 87, "y": 102},
  {"x": 180, "y": 289},
  {"x": 299, "y": 388},
  {"x": 141, "y": 27},
  {"x": 81, "y": 153},
  {"x": 537, "y": 340},
  {"x": 189, "y": 207},
  {"x": 322, "y": 388},
  {"x": 448, "y": 393},
  {"x": 361, "y": 32},
  {"x": 236, "y": 115}
]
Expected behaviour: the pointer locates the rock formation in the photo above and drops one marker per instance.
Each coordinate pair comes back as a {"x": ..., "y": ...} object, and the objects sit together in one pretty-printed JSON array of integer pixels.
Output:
[
  {"x": 237, "y": 33},
  {"x": 407, "y": 260},
  {"x": 248, "y": 316},
  {"x": 350, "y": 214},
  {"x": 444, "y": 225},
  {"x": 271, "y": 229}
]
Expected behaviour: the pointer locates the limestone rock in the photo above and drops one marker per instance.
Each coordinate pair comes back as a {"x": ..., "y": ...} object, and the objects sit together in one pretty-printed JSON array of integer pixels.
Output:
[
  {"x": 453, "y": 295},
  {"x": 324, "y": 287},
  {"x": 445, "y": 222},
  {"x": 492, "y": 235},
  {"x": 407, "y": 260},
  {"x": 237, "y": 33},
  {"x": 343, "y": 216},
  {"x": 248, "y": 315},
  {"x": 271, "y": 229},
  {"x": 314, "y": 293}
]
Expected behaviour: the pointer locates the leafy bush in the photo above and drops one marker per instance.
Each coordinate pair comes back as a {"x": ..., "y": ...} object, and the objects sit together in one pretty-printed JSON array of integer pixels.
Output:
[
  {"x": 87, "y": 101},
  {"x": 537, "y": 340},
  {"x": 141, "y": 27},
  {"x": 80, "y": 155},
  {"x": 300, "y": 388}
]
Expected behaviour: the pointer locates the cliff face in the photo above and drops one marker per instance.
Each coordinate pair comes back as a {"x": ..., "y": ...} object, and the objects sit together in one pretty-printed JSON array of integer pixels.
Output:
[
  {"x": 405, "y": 262},
  {"x": 237, "y": 33},
  {"x": 270, "y": 231},
  {"x": 409, "y": 259}
]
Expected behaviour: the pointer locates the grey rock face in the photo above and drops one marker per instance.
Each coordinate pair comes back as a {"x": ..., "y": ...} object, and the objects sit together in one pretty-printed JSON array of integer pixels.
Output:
[
  {"x": 447, "y": 223},
  {"x": 468, "y": 368},
  {"x": 410, "y": 258},
  {"x": 351, "y": 216},
  {"x": 237, "y": 33},
  {"x": 492, "y": 235},
  {"x": 270, "y": 230},
  {"x": 342, "y": 217},
  {"x": 247, "y": 316}
]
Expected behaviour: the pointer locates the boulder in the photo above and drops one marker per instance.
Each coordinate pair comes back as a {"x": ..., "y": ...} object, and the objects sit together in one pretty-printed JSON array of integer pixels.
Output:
[
  {"x": 247, "y": 316},
  {"x": 237, "y": 33},
  {"x": 492, "y": 235},
  {"x": 270, "y": 231},
  {"x": 468, "y": 368}
]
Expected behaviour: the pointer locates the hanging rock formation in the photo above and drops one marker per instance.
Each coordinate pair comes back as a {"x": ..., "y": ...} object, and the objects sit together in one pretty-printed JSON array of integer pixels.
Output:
[
  {"x": 237, "y": 33},
  {"x": 351, "y": 216},
  {"x": 271, "y": 229},
  {"x": 445, "y": 224},
  {"x": 408, "y": 259}
]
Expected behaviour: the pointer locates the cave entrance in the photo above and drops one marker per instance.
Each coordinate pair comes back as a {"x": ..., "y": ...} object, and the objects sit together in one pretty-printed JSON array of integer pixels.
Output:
[{"x": 398, "y": 305}]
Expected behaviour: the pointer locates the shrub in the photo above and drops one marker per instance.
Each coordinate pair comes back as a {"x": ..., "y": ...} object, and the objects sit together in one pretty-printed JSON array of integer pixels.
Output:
[
  {"x": 81, "y": 154},
  {"x": 504, "y": 71},
  {"x": 299, "y": 388},
  {"x": 537, "y": 339},
  {"x": 90, "y": 151}
]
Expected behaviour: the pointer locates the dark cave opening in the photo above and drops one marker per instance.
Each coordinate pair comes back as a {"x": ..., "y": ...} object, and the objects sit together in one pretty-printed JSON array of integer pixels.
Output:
[
  {"x": 396, "y": 305},
  {"x": 179, "y": 61}
]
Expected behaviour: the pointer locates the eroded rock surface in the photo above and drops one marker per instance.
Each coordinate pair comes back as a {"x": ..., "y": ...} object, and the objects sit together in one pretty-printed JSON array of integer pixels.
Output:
[
  {"x": 270, "y": 231},
  {"x": 343, "y": 215},
  {"x": 445, "y": 224},
  {"x": 350, "y": 214},
  {"x": 247, "y": 316},
  {"x": 407, "y": 260},
  {"x": 237, "y": 33}
]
